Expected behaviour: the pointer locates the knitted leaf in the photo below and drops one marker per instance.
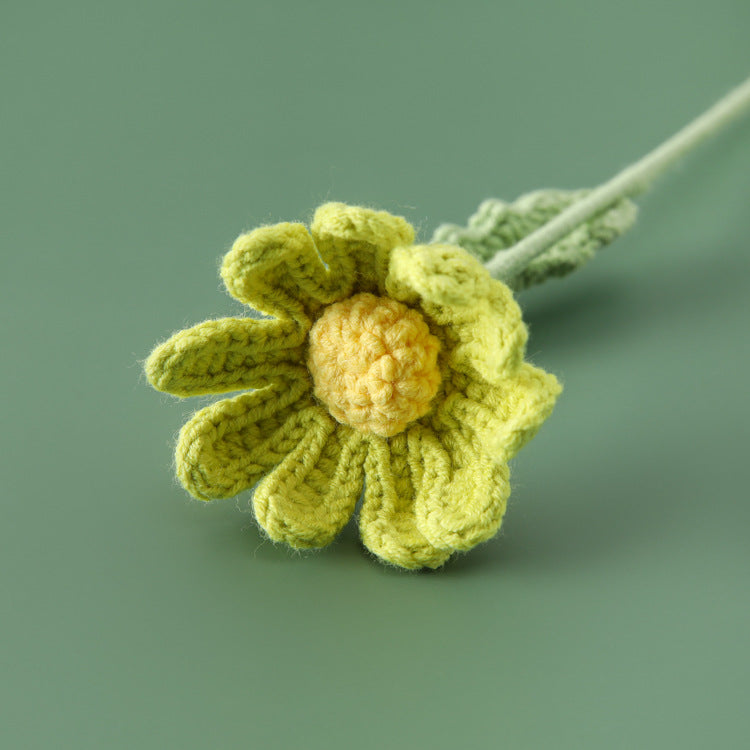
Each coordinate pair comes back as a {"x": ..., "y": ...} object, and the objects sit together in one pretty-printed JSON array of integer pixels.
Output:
[{"x": 497, "y": 226}]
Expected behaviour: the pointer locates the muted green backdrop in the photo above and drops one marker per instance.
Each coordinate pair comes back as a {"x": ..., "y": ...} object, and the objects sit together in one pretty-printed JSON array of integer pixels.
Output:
[{"x": 136, "y": 141}]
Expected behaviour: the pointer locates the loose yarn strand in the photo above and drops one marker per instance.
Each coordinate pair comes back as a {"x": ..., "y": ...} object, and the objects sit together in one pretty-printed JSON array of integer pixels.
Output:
[{"x": 632, "y": 180}]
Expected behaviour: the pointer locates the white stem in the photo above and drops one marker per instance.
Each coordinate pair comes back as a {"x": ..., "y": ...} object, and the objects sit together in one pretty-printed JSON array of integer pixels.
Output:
[{"x": 630, "y": 181}]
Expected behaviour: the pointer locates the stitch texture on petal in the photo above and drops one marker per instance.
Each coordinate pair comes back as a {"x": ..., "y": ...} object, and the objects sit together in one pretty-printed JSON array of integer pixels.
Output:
[
  {"x": 365, "y": 235},
  {"x": 438, "y": 274},
  {"x": 505, "y": 416},
  {"x": 218, "y": 356},
  {"x": 387, "y": 521},
  {"x": 278, "y": 270},
  {"x": 463, "y": 494},
  {"x": 308, "y": 498},
  {"x": 483, "y": 332},
  {"x": 227, "y": 447}
]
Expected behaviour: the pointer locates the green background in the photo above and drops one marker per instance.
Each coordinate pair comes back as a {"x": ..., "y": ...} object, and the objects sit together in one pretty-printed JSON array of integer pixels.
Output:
[{"x": 137, "y": 140}]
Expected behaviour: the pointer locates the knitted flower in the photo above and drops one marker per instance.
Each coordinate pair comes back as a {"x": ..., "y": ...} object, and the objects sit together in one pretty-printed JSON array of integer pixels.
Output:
[{"x": 383, "y": 363}]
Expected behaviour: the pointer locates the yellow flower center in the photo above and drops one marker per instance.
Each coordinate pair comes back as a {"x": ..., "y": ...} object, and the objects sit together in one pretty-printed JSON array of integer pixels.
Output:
[{"x": 374, "y": 363}]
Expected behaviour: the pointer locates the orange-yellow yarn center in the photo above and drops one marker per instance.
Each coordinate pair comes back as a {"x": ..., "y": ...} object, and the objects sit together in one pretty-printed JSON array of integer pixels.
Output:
[{"x": 374, "y": 363}]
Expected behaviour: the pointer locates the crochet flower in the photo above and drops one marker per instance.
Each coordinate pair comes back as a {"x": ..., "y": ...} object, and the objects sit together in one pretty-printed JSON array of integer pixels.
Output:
[{"x": 382, "y": 363}]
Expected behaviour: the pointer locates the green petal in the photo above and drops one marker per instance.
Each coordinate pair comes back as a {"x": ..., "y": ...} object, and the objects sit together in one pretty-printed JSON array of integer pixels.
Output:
[
  {"x": 387, "y": 522},
  {"x": 277, "y": 270},
  {"x": 365, "y": 236},
  {"x": 504, "y": 416},
  {"x": 230, "y": 354},
  {"x": 463, "y": 492},
  {"x": 479, "y": 321},
  {"x": 437, "y": 274},
  {"x": 228, "y": 446},
  {"x": 310, "y": 496}
]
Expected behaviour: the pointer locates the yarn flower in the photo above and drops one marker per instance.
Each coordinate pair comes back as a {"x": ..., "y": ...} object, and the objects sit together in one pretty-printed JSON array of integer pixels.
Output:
[{"x": 381, "y": 363}]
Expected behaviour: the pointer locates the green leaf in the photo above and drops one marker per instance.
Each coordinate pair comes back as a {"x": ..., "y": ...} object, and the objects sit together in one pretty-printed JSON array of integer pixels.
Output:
[{"x": 497, "y": 226}]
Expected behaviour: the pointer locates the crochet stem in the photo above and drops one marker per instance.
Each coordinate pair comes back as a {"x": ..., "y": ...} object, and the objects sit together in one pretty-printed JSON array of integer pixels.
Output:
[{"x": 632, "y": 180}]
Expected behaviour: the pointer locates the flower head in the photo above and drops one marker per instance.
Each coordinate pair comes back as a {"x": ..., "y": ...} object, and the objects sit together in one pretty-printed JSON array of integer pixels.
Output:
[{"x": 403, "y": 364}]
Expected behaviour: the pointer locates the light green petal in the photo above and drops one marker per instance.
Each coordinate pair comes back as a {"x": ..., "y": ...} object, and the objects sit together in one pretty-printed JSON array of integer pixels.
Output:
[
  {"x": 387, "y": 522},
  {"x": 228, "y": 446},
  {"x": 437, "y": 274},
  {"x": 479, "y": 322},
  {"x": 310, "y": 496},
  {"x": 505, "y": 416},
  {"x": 230, "y": 354},
  {"x": 277, "y": 270},
  {"x": 462, "y": 493},
  {"x": 363, "y": 235}
]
